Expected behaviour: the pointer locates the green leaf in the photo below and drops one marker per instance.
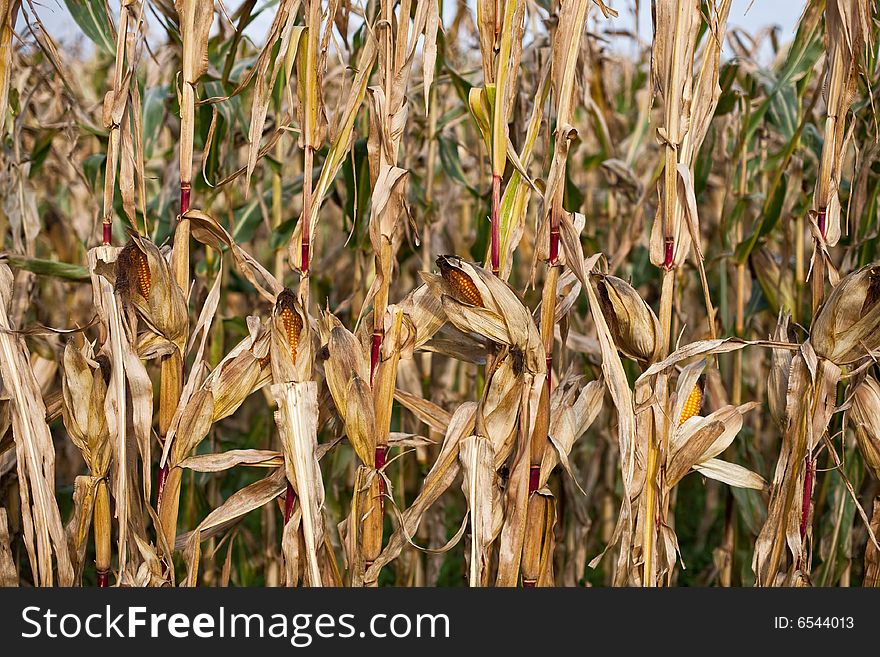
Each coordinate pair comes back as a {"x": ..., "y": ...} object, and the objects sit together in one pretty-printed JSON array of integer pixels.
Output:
[
  {"x": 770, "y": 216},
  {"x": 154, "y": 115},
  {"x": 47, "y": 267},
  {"x": 281, "y": 235},
  {"x": 247, "y": 220},
  {"x": 448, "y": 151},
  {"x": 806, "y": 49},
  {"x": 93, "y": 167},
  {"x": 42, "y": 148},
  {"x": 93, "y": 19}
]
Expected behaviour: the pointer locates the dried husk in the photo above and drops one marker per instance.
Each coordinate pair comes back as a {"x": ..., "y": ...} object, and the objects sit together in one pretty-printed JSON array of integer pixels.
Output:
[
  {"x": 164, "y": 309},
  {"x": 847, "y": 326},
  {"x": 872, "y": 554},
  {"x": 297, "y": 420},
  {"x": 634, "y": 326},
  {"x": 478, "y": 468},
  {"x": 848, "y": 35},
  {"x": 476, "y": 300},
  {"x": 866, "y": 417},
  {"x": 347, "y": 373},
  {"x": 700, "y": 439},
  {"x": 777, "y": 379},
  {"x": 84, "y": 392},
  {"x": 8, "y": 573}
]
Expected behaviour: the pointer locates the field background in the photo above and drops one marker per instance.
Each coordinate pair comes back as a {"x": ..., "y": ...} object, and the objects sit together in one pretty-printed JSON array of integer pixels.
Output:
[{"x": 726, "y": 167}]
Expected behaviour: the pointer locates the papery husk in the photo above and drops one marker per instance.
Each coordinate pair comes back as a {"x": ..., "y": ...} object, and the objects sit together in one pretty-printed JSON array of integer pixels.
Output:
[
  {"x": 347, "y": 373},
  {"x": 848, "y": 35},
  {"x": 79, "y": 525},
  {"x": 780, "y": 365},
  {"x": 164, "y": 309},
  {"x": 572, "y": 411},
  {"x": 700, "y": 439},
  {"x": 84, "y": 392},
  {"x": 478, "y": 467},
  {"x": 847, "y": 326},
  {"x": 425, "y": 312},
  {"x": 634, "y": 326},
  {"x": 41, "y": 519},
  {"x": 8, "y": 573},
  {"x": 872, "y": 554},
  {"x": 499, "y": 410},
  {"x": 84, "y": 395},
  {"x": 297, "y": 420},
  {"x": 866, "y": 417},
  {"x": 500, "y": 315}
]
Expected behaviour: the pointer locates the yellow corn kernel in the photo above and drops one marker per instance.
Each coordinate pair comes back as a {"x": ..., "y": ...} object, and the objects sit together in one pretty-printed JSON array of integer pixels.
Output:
[
  {"x": 143, "y": 274},
  {"x": 133, "y": 263},
  {"x": 692, "y": 405},
  {"x": 460, "y": 283},
  {"x": 291, "y": 319}
]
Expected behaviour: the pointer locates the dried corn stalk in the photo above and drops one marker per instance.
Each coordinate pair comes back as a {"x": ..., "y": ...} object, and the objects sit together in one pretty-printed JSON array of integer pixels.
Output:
[
  {"x": 297, "y": 420},
  {"x": 84, "y": 380},
  {"x": 848, "y": 39},
  {"x": 129, "y": 392},
  {"x": 310, "y": 111},
  {"x": 478, "y": 467},
  {"x": 43, "y": 532},
  {"x": 8, "y": 573}
]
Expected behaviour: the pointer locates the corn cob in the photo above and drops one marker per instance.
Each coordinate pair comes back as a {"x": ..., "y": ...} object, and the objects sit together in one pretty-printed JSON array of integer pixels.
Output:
[
  {"x": 293, "y": 323},
  {"x": 132, "y": 266},
  {"x": 462, "y": 285},
  {"x": 692, "y": 405}
]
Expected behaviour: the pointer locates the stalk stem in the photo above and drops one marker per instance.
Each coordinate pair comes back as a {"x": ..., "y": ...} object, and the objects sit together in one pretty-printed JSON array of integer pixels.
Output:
[
  {"x": 102, "y": 524},
  {"x": 308, "y": 158},
  {"x": 496, "y": 227},
  {"x": 648, "y": 578},
  {"x": 652, "y": 482}
]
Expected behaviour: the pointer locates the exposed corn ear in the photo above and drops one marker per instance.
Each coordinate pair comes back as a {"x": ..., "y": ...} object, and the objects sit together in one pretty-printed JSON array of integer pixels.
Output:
[
  {"x": 133, "y": 271},
  {"x": 692, "y": 405},
  {"x": 290, "y": 318},
  {"x": 460, "y": 283},
  {"x": 290, "y": 350},
  {"x": 144, "y": 279}
]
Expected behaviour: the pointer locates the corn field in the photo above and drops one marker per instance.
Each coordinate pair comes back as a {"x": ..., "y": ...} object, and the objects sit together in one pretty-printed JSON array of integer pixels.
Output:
[{"x": 435, "y": 293}]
